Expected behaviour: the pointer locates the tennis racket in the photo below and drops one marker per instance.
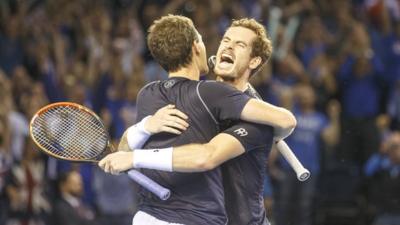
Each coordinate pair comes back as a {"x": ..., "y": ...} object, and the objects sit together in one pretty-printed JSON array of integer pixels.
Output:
[
  {"x": 302, "y": 173},
  {"x": 72, "y": 132}
]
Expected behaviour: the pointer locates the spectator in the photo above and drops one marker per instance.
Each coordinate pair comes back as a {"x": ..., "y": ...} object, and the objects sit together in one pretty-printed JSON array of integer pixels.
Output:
[
  {"x": 293, "y": 203},
  {"x": 11, "y": 54},
  {"x": 94, "y": 53},
  {"x": 25, "y": 189},
  {"x": 6, "y": 158},
  {"x": 359, "y": 82},
  {"x": 69, "y": 208},
  {"x": 383, "y": 170},
  {"x": 394, "y": 105}
]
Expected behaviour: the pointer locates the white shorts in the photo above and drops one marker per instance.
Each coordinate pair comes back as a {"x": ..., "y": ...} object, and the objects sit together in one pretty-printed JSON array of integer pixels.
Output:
[{"x": 142, "y": 218}]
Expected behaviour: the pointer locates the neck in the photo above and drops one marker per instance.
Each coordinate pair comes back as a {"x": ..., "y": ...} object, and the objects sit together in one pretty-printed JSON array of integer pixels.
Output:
[
  {"x": 191, "y": 72},
  {"x": 238, "y": 83}
]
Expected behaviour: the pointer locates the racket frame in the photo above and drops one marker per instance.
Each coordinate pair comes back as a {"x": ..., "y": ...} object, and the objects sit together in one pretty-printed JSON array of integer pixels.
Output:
[{"x": 108, "y": 149}]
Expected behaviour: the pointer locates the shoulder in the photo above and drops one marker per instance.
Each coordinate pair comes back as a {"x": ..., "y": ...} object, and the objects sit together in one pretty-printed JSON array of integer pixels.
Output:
[
  {"x": 148, "y": 87},
  {"x": 216, "y": 89},
  {"x": 214, "y": 84}
]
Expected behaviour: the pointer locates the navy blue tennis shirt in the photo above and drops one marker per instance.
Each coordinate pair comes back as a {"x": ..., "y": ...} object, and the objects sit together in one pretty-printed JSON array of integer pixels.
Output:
[
  {"x": 243, "y": 176},
  {"x": 196, "y": 198}
]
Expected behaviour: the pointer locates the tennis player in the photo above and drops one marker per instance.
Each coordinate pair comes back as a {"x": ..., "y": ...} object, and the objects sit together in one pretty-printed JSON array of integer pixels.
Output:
[
  {"x": 197, "y": 198},
  {"x": 243, "y": 176}
]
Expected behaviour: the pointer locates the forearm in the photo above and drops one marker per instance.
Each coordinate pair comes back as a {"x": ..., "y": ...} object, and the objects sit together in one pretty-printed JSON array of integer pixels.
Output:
[
  {"x": 281, "y": 119},
  {"x": 190, "y": 157},
  {"x": 186, "y": 158}
]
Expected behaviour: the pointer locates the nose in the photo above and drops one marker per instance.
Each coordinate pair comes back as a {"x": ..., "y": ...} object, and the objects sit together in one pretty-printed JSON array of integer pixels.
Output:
[{"x": 229, "y": 45}]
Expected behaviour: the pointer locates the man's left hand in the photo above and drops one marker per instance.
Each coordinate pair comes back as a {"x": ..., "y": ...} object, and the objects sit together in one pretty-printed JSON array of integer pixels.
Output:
[{"x": 117, "y": 162}]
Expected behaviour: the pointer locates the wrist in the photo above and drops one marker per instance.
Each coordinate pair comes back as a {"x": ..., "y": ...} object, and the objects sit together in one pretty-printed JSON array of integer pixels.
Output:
[
  {"x": 147, "y": 125},
  {"x": 143, "y": 125},
  {"x": 137, "y": 135},
  {"x": 158, "y": 159}
]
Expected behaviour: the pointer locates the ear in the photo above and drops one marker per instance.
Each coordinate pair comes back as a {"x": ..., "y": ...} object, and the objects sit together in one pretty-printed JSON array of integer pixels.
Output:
[
  {"x": 196, "y": 47},
  {"x": 255, "y": 62}
]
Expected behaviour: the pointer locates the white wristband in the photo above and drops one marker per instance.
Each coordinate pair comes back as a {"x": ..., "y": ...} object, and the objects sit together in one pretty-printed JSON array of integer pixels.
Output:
[
  {"x": 137, "y": 135},
  {"x": 157, "y": 159}
]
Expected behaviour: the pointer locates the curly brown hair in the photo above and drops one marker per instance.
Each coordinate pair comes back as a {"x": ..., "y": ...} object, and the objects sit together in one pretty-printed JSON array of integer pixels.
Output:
[
  {"x": 170, "y": 41},
  {"x": 261, "y": 45}
]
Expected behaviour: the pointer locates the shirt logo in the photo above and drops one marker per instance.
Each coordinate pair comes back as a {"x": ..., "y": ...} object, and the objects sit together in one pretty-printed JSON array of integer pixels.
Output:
[
  {"x": 169, "y": 83},
  {"x": 241, "y": 132}
]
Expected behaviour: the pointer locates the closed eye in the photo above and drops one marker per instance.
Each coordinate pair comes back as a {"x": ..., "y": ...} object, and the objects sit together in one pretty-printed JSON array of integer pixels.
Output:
[
  {"x": 241, "y": 44},
  {"x": 225, "y": 40}
]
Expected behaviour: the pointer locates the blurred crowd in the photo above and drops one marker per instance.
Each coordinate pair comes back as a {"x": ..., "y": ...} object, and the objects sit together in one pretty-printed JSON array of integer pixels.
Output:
[{"x": 336, "y": 66}]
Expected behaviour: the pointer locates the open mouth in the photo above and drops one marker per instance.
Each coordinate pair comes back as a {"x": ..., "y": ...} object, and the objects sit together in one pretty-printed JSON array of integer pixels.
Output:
[{"x": 226, "y": 60}]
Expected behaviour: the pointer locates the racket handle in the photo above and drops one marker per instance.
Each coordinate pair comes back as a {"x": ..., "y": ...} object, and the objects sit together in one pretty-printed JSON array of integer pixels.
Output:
[
  {"x": 302, "y": 173},
  {"x": 160, "y": 191}
]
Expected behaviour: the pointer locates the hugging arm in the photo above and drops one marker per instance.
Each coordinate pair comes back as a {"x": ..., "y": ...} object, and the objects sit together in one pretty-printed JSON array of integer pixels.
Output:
[
  {"x": 167, "y": 119},
  {"x": 222, "y": 102},
  {"x": 194, "y": 157},
  {"x": 261, "y": 112},
  {"x": 186, "y": 158},
  {"x": 227, "y": 103}
]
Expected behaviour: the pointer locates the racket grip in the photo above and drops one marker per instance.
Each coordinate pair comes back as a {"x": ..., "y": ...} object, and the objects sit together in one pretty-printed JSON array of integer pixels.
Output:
[
  {"x": 160, "y": 191},
  {"x": 302, "y": 173}
]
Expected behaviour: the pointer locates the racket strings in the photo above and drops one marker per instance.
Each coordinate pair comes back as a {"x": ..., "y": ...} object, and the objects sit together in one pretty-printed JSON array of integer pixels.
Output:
[
  {"x": 70, "y": 133},
  {"x": 70, "y": 130},
  {"x": 84, "y": 133}
]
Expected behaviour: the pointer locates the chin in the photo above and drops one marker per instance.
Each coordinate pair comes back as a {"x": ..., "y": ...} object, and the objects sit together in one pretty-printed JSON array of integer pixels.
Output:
[{"x": 225, "y": 74}]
